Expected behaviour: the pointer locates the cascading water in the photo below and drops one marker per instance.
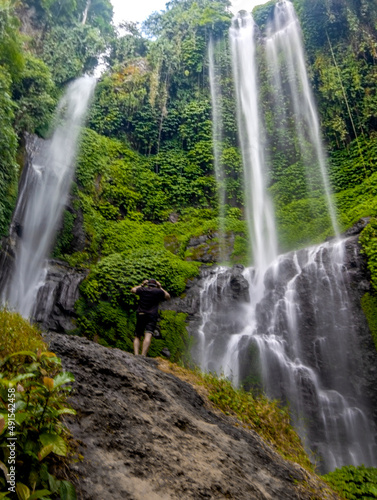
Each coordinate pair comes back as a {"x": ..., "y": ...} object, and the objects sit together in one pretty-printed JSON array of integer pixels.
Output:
[
  {"x": 285, "y": 53},
  {"x": 295, "y": 333},
  {"x": 260, "y": 211},
  {"x": 300, "y": 343},
  {"x": 221, "y": 352},
  {"x": 42, "y": 198},
  {"x": 307, "y": 348}
]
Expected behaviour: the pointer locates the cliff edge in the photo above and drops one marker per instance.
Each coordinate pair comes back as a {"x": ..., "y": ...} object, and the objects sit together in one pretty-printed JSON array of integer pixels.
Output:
[{"x": 146, "y": 434}]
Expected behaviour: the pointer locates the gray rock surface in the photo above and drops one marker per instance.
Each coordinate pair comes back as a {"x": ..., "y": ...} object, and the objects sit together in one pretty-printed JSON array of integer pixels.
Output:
[
  {"x": 147, "y": 435},
  {"x": 56, "y": 298}
]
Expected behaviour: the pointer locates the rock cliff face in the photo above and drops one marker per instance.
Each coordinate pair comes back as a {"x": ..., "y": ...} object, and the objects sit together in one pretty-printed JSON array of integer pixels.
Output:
[
  {"x": 145, "y": 434},
  {"x": 56, "y": 299}
]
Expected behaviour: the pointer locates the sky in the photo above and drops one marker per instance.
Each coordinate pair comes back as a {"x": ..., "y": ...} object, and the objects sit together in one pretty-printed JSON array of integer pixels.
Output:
[{"x": 139, "y": 10}]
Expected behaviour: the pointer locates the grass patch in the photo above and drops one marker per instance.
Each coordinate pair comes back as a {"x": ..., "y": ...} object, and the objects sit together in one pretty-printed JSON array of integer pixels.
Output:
[{"x": 17, "y": 334}]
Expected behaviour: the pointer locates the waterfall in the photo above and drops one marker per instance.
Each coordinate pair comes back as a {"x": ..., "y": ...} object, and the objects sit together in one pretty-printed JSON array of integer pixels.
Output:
[
  {"x": 42, "y": 197},
  {"x": 295, "y": 334},
  {"x": 308, "y": 350},
  {"x": 259, "y": 207},
  {"x": 285, "y": 55},
  {"x": 217, "y": 141},
  {"x": 300, "y": 343}
]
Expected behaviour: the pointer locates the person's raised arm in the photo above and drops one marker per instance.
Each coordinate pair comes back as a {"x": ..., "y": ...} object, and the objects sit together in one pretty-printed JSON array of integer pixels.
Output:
[
  {"x": 167, "y": 295},
  {"x": 136, "y": 288}
]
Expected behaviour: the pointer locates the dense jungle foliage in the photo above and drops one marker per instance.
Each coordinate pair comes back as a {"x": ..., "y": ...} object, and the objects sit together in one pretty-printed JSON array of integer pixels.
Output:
[{"x": 146, "y": 189}]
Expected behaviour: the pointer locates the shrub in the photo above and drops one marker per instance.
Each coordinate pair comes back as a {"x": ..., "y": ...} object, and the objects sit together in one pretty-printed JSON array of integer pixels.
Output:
[
  {"x": 369, "y": 305},
  {"x": 33, "y": 391},
  {"x": 368, "y": 239},
  {"x": 172, "y": 326},
  {"x": 16, "y": 334},
  {"x": 354, "y": 482}
]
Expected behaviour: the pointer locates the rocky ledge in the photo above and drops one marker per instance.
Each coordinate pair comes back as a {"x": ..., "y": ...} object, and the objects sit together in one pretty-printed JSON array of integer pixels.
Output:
[{"x": 146, "y": 434}]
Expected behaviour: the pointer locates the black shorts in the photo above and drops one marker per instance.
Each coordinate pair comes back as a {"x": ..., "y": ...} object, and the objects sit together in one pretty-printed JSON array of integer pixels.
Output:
[{"x": 145, "y": 323}]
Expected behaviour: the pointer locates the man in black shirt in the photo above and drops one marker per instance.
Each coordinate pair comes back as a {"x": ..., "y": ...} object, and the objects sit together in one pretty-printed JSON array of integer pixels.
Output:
[{"x": 151, "y": 294}]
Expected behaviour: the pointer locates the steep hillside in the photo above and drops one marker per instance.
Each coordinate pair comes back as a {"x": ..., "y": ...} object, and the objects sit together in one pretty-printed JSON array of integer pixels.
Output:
[{"x": 147, "y": 434}]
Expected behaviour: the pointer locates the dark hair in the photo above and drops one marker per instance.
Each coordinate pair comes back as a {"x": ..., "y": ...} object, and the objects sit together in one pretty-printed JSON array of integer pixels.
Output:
[{"x": 152, "y": 283}]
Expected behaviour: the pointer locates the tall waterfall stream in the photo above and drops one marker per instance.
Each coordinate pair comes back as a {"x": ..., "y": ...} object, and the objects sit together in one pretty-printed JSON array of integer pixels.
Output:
[{"x": 42, "y": 197}]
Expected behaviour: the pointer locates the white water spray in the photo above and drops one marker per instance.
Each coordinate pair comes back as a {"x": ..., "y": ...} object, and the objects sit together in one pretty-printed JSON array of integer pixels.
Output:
[
  {"x": 42, "y": 199},
  {"x": 284, "y": 47},
  {"x": 217, "y": 142},
  {"x": 259, "y": 207},
  {"x": 299, "y": 342}
]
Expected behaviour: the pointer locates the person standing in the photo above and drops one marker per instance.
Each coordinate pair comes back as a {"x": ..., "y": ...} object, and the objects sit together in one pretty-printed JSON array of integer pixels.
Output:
[{"x": 150, "y": 294}]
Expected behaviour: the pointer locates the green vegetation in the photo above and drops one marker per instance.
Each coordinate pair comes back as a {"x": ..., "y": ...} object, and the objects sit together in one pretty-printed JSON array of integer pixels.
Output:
[
  {"x": 16, "y": 334},
  {"x": 106, "y": 308},
  {"x": 11, "y": 65},
  {"x": 32, "y": 382},
  {"x": 33, "y": 68},
  {"x": 368, "y": 239},
  {"x": 369, "y": 305},
  {"x": 354, "y": 482},
  {"x": 126, "y": 207}
]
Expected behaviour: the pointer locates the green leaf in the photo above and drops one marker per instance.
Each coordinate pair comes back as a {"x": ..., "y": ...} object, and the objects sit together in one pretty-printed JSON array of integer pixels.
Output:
[
  {"x": 22, "y": 353},
  {"x": 3, "y": 467},
  {"x": 5, "y": 417},
  {"x": 373, "y": 490},
  {"x": 59, "y": 446},
  {"x": 46, "y": 450},
  {"x": 2, "y": 425},
  {"x": 39, "y": 494},
  {"x": 22, "y": 491},
  {"x": 67, "y": 491},
  {"x": 21, "y": 417},
  {"x": 63, "y": 378},
  {"x": 63, "y": 411},
  {"x": 53, "y": 483}
]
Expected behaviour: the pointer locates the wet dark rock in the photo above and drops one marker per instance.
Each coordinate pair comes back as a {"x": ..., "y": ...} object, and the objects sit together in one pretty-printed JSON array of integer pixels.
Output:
[
  {"x": 238, "y": 284},
  {"x": 173, "y": 217},
  {"x": 56, "y": 298},
  {"x": 357, "y": 227},
  {"x": 278, "y": 277},
  {"x": 166, "y": 353},
  {"x": 146, "y": 434}
]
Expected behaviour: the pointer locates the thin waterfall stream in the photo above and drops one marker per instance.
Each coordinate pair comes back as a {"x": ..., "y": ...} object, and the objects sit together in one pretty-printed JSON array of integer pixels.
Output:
[
  {"x": 294, "y": 335},
  {"x": 285, "y": 54},
  {"x": 217, "y": 141},
  {"x": 42, "y": 197}
]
